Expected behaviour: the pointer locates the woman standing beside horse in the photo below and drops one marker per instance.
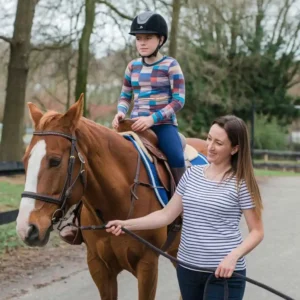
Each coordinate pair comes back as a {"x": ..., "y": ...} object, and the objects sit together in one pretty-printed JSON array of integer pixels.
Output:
[{"x": 212, "y": 199}]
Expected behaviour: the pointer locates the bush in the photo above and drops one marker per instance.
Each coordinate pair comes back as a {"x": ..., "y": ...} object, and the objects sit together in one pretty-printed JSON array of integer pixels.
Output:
[{"x": 269, "y": 134}]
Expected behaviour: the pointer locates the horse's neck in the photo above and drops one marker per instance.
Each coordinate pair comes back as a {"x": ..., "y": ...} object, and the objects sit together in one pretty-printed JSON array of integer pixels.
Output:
[{"x": 110, "y": 168}]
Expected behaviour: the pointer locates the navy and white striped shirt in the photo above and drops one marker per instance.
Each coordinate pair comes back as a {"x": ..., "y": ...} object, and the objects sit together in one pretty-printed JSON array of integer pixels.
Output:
[{"x": 211, "y": 215}]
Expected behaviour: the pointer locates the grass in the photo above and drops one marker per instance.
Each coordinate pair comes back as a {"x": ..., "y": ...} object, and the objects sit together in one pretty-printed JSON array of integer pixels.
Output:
[
  {"x": 288, "y": 162},
  {"x": 271, "y": 173},
  {"x": 9, "y": 238},
  {"x": 10, "y": 195}
]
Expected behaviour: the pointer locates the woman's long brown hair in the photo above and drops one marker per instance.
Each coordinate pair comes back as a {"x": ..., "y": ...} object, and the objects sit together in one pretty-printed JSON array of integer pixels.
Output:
[{"x": 241, "y": 163}]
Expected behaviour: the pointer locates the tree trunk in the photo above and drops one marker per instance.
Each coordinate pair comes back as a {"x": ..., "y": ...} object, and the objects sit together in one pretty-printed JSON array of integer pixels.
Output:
[
  {"x": 13, "y": 120},
  {"x": 174, "y": 28},
  {"x": 84, "y": 53}
]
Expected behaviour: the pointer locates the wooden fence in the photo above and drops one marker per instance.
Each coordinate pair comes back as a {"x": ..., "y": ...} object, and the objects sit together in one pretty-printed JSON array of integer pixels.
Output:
[{"x": 277, "y": 160}]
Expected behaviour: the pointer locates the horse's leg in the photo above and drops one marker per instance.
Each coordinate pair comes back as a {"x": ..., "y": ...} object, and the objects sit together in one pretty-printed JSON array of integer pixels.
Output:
[
  {"x": 105, "y": 280},
  {"x": 147, "y": 274}
]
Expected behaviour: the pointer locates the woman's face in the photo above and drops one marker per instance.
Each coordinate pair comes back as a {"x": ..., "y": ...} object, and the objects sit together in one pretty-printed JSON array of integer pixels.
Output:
[
  {"x": 146, "y": 44},
  {"x": 219, "y": 149}
]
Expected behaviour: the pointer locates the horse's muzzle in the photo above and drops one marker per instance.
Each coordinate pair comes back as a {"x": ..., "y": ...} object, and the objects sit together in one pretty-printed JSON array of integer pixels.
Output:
[{"x": 33, "y": 239}]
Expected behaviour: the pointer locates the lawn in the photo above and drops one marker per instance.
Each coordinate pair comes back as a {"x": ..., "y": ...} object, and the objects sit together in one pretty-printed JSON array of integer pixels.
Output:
[
  {"x": 286, "y": 162},
  {"x": 10, "y": 195},
  {"x": 262, "y": 172}
]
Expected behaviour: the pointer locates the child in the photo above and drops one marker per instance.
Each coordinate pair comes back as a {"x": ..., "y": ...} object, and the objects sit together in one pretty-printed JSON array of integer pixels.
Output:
[{"x": 156, "y": 85}]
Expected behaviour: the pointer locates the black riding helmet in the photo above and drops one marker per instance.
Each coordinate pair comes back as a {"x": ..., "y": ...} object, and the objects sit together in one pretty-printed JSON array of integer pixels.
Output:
[{"x": 150, "y": 22}]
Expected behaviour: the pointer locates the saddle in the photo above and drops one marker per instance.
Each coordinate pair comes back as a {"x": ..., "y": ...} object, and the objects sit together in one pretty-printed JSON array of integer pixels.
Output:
[{"x": 148, "y": 142}]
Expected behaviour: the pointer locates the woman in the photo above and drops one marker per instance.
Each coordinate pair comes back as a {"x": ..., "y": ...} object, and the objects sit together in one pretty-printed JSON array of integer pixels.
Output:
[{"x": 212, "y": 199}]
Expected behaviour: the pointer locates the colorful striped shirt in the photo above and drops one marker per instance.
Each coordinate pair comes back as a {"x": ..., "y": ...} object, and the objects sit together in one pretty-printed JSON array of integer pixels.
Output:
[
  {"x": 157, "y": 89},
  {"x": 211, "y": 217}
]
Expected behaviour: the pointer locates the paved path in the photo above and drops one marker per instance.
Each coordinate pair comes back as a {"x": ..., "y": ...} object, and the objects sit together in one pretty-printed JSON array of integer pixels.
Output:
[{"x": 275, "y": 262}]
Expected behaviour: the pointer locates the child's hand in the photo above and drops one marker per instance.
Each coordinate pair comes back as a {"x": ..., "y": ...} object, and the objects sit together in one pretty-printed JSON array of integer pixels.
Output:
[
  {"x": 118, "y": 117},
  {"x": 142, "y": 123}
]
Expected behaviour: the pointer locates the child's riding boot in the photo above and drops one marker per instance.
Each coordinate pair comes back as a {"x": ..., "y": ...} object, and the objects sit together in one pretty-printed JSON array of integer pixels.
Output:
[{"x": 177, "y": 174}]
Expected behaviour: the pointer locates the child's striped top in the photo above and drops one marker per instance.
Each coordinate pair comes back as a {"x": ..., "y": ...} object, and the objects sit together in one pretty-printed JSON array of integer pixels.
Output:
[{"x": 157, "y": 89}]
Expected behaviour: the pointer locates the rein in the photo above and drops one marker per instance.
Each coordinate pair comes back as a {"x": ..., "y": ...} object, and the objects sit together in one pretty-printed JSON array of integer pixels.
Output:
[{"x": 188, "y": 265}]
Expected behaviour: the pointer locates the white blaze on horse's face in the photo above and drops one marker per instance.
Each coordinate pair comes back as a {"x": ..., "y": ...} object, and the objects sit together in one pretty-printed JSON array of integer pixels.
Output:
[{"x": 28, "y": 204}]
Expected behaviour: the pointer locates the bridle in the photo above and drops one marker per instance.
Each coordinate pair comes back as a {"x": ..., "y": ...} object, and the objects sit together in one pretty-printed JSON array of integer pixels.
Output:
[{"x": 68, "y": 186}]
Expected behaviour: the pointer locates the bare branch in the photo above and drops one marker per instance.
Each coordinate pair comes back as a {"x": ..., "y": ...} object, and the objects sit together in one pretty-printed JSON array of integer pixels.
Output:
[
  {"x": 6, "y": 39},
  {"x": 287, "y": 8},
  {"x": 53, "y": 96},
  {"x": 219, "y": 13},
  {"x": 40, "y": 102},
  {"x": 113, "y": 8},
  {"x": 50, "y": 47},
  {"x": 166, "y": 4}
]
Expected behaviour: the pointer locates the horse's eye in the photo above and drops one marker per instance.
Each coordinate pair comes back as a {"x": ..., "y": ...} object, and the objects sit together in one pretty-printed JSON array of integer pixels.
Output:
[{"x": 54, "y": 162}]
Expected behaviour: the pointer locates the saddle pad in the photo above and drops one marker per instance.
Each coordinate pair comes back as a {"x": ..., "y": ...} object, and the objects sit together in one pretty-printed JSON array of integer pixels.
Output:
[
  {"x": 160, "y": 192},
  {"x": 137, "y": 139},
  {"x": 190, "y": 153}
]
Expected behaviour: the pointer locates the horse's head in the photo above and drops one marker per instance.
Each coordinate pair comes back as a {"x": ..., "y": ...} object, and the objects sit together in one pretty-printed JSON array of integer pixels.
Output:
[{"x": 54, "y": 173}]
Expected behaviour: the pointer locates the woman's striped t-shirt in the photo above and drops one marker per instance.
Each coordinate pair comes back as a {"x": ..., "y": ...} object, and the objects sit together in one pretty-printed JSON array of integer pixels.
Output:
[{"x": 211, "y": 215}]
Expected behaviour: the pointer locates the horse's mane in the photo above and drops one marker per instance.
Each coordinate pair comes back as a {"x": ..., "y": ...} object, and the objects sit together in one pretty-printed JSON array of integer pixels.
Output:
[
  {"x": 49, "y": 117},
  {"x": 85, "y": 127}
]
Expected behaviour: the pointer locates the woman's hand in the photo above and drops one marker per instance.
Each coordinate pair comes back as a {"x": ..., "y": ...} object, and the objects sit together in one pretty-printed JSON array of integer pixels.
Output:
[
  {"x": 118, "y": 117},
  {"x": 115, "y": 227},
  {"x": 227, "y": 266},
  {"x": 142, "y": 123}
]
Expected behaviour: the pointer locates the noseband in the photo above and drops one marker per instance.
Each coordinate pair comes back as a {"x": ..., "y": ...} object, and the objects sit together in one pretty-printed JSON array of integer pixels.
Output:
[{"x": 68, "y": 186}]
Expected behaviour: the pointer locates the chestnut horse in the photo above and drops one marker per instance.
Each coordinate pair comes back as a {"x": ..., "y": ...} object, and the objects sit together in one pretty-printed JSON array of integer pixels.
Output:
[{"x": 69, "y": 157}]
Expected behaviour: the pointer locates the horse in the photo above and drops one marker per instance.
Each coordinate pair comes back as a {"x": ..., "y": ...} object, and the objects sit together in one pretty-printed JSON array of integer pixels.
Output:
[{"x": 70, "y": 158}]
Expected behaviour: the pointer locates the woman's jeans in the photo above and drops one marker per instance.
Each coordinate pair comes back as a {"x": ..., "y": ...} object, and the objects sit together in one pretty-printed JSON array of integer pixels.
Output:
[{"x": 192, "y": 284}]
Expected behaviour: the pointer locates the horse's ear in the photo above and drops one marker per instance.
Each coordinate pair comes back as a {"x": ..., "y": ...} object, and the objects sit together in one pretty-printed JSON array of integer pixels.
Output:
[
  {"x": 35, "y": 114},
  {"x": 72, "y": 116}
]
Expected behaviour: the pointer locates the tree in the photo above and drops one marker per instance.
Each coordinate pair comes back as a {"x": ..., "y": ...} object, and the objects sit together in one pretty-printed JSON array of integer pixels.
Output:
[
  {"x": 174, "y": 27},
  {"x": 12, "y": 141},
  {"x": 84, "y": 51},
  {"x": 233, "y": 57}
]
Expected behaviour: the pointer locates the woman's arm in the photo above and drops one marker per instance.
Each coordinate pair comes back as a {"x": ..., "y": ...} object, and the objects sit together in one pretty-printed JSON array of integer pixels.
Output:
[
  {"x": 255, "y": 236},
  {"x": 154, "y": 220}
]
